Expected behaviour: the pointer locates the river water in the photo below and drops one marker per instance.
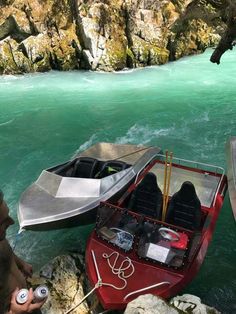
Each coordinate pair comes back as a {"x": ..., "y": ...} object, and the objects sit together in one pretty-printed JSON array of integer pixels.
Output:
[{"x": 188, "y": 107}]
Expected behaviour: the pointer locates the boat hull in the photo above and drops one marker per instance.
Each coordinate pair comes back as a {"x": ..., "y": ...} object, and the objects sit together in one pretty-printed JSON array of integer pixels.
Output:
[
  {"x": 146, "y": 274},
  {"x": 159, "y": 267},
  {"x": 58, "y": 199}
]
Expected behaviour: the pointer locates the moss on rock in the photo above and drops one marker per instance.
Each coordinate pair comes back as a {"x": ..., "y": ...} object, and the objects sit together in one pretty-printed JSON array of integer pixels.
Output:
[
  {"x": 196, "y": 38},
  {"x": 103, "y": 35},
  {"x": 148, "y": 54},
  {"x": 13, "y": 61}
]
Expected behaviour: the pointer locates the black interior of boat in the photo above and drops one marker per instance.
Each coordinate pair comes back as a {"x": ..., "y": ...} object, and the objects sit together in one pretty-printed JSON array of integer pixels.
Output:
[
  {"x": 146, "y": 199},
  {"x": 184, "y": 208},
  {"x": 136, "y": 223},
  {"x": 84, "y": 167},
  {"x": 88, "y": 167}
]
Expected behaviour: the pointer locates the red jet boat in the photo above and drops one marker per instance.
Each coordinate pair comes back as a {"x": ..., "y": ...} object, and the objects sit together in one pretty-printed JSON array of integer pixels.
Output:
[{"x": 155, "y": 238}]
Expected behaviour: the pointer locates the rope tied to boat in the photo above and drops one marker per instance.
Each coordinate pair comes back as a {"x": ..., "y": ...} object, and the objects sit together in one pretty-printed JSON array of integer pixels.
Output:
[
  {"x": 97, "y": 285},
  {"x": 120, "y": 271}
]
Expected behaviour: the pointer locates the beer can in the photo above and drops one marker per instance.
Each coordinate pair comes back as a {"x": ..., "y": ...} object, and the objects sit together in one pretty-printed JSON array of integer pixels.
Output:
[
  {"x": 40, "y": 293},
  {"x": 22, "y": 296}
]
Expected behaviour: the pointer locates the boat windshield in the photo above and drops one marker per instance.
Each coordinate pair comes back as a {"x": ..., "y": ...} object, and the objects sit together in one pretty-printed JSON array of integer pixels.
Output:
[
  {"x": 116, "y": 227},
  {"x": 165, "y": 245},
  {"x": 87, "y": 167},
  {"x": 149, "y": 239}
]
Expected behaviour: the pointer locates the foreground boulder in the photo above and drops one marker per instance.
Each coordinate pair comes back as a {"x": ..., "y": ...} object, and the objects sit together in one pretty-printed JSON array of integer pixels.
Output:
[
  {"x": 188, "y": 303},
  {"x": 151, "y": 304},
  {"x": 68, "y": 285},
  {"x": 64, "y": 276}
]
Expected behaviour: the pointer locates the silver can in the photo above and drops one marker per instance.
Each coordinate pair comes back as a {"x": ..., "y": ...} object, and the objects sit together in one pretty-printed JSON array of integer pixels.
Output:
[
  {"x": 22, "y": 296},
  {"x": 40, "y": 293}
]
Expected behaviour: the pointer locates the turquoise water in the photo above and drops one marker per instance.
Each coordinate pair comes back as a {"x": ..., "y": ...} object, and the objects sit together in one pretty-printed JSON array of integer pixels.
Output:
[{"x": 188, "y": 107}]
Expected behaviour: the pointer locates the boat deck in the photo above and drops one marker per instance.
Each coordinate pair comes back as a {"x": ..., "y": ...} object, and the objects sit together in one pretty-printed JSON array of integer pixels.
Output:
[
  {"x": 128, "y": 153},
  {"x": 205, "y": 184}
]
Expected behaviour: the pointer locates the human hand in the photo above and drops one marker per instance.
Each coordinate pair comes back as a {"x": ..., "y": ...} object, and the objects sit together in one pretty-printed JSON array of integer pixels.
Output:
[
  {"x": 27, "y": 307},
  {"x": 26, "y": 269}
]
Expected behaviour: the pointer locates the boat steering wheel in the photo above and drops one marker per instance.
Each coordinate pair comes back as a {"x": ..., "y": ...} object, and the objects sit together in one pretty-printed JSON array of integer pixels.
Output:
[{"x": 169, "y": 234}]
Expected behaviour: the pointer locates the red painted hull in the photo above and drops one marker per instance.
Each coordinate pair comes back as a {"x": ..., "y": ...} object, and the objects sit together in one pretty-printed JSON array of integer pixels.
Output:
[{"x": 148, "y": 273}]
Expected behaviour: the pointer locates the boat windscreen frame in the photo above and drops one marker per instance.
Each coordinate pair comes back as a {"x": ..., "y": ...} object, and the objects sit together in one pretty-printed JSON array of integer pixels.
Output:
[
  {"x": 108, "y": 232},
  {"x": 104, "y": 233}
]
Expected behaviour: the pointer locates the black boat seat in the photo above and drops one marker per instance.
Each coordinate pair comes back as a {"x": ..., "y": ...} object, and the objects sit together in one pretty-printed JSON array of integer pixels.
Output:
[
  {"x": 146, "y": 199},
  {"x": 110, "y": 167},
  {"x": 64, "y": 170},
  {"x": 184, "y": 209},
  {"x": 85, "y": 167}
]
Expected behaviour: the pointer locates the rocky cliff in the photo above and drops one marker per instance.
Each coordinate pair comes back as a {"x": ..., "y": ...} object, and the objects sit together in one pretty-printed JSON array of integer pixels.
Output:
[{"x": 40, "y": 35}]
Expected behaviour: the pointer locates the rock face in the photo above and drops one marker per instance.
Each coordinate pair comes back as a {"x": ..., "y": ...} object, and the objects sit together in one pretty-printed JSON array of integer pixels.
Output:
[
  {"x": 104, "y": 34},
  {"x": 65, "y": 277},
  {"x": 151, "y": 304},
  {"x": 188, "y": 303}
]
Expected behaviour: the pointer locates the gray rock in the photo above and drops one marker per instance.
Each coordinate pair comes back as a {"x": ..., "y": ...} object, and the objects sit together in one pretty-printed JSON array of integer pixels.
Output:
[
  {"x": 65, "y": 282},
  {"x": 188, "y": 303},
  {"x": 150, "y": 304}
]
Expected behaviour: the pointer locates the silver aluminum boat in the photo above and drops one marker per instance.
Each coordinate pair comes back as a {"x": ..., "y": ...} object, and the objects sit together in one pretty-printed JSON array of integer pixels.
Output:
[
  {"x": 68, "y": 194},
  {"x": 231, "y": 171}
]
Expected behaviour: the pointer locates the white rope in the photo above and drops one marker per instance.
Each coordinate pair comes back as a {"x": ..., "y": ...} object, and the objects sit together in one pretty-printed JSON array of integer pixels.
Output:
[
  {"x": 120, "y": 271},
  {"x": 147, "y": 288},
  {"x": 97, "y": 285},
  {"x": 96, "y": 266},
  {"x": 78, "y": 304}
]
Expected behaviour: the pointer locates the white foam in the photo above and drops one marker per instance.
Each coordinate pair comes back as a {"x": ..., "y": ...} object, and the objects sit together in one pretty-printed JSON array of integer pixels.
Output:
[
  {"x": 7, "y": 122},
  {"x": 204, "y": 117},
  {"x": 142, "y": 134},
  {"x": 85, "y": 145}
]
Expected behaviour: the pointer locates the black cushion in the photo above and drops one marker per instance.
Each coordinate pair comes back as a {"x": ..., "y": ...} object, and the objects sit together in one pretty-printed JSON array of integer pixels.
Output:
[
  {"x": 85, "y": 167},
  {"x": 146, "y": 199},
  {"x": 185, "y": 208}
]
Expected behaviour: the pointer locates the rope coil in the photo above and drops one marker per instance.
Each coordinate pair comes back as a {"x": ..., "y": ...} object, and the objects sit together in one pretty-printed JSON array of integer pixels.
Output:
[{"x": 120, "y": 271}]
